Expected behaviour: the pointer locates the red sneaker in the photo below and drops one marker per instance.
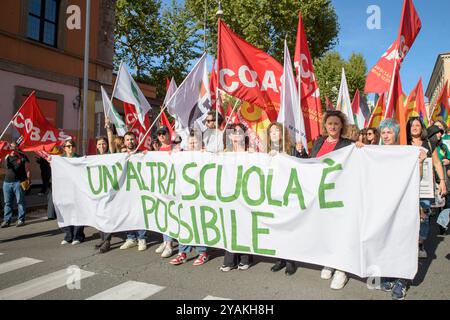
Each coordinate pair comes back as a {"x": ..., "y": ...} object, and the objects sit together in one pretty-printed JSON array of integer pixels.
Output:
[
  {"x": 201, "y": 259},
  {"x": 179, "y": 259}
]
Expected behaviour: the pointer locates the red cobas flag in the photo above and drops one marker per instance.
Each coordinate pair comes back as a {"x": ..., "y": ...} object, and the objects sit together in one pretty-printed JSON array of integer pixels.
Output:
[
  {"x": 309, "y": 89},
  {"x": 248, "y": 73},
  {"x": 37, "y": 134},
  {"x": 380, "y": 76},
  {"x": 135, "y": 126}
]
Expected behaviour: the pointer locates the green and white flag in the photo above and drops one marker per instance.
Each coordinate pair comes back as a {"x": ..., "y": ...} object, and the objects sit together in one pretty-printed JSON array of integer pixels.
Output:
[
  {"x": 112, "y": 114},
  {"x": 128, "y": 91}
]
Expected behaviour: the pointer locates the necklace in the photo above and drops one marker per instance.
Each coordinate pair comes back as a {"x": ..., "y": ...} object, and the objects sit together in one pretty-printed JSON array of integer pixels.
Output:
[{"x": 329, "y": 139}]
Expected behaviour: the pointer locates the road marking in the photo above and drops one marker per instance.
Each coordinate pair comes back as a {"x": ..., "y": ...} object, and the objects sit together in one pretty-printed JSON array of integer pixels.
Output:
[
  {"x": 38, "y": 286},
  {"x": 17, "y": 264},
  {"x": 130, "y": 290},
  {"x": 214, "y": 298}
]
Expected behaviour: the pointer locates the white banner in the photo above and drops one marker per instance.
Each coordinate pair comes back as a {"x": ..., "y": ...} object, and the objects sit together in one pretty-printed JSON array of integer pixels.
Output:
[{"x": 356, "y": 210}]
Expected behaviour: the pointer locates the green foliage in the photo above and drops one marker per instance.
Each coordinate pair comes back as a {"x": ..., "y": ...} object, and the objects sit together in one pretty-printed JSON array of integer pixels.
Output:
[
  {"x": 329, "y": 70},
  {"x": 266, "y": 23}
]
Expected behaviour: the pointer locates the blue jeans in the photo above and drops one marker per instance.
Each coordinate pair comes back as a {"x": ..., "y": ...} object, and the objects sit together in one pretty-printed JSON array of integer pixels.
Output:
[
  {"x": 187, "y": 249},
  {"x": 425, "y": 225},
  {"x": 139, "y": 234},
  {"x": 167, "y": 238},
  {"x": 11, "y": 189}
]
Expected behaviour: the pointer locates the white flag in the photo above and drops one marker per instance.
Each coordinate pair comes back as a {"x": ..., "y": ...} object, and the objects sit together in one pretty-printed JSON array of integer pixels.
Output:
[
  {"x": 290, "y": 114},
  {"x": 344, "y": 103},
  {"x": 192, "y": 99},
  {"x": 170, "y": 91},
  {"x": 128, "y": 91},
  {"x": 112, "y": 114}
]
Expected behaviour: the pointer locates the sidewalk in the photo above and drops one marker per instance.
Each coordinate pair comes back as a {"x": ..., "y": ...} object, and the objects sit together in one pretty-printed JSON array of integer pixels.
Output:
[{"x": 34, "y": 202}]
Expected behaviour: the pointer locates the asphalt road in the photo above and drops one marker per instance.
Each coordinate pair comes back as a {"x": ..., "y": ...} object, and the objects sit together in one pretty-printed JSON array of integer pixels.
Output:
[{"x": 33, "y": 265}]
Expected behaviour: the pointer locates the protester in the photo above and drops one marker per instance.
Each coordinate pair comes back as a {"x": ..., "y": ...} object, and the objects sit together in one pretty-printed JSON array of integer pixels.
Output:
[
  {"x": 139, "y": 237},
  {"x": 73, "y": 234},
  {"x": 194, "y": 144},
  {"x": 334, "y": 127},
  {"x": 417, "y": 136},
  {"x": 352, "y": 133},
  {"x": 276, "y": 144},
  {"x": 212, "y": 138},
  {"x": 372, "y": 136},
  {"x": 165, "y": 248},
  {"x": 236, "y": 140},
  {"x": 389, "y": 136},
  {"x": 45, "y": 175},
  {"x": 105, "y": 238},
  {"x": 16, "y": 180},
  {"x": 363, "y": 136},
  {"x": 155, "y": 145}
]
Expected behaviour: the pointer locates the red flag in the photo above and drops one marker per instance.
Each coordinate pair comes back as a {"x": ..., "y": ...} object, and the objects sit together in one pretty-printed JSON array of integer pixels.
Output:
[
  {"x": 380, "y": 76},
  {"x": 167, "y": 84},
  {"x": 415, "y": 104},
  {"x": 309, "y": 89},
  {"x": 165, "y": 122},
  {"x": 5, "y": 149},
  {"x": 396, "y": 104},
  {"x": 247, "y": 72},
  {"x": 37, "y": 134},
  {"x": 377, "y": 113},
  {"x": 135, "y": 126},
  {"x": 329, "y": 104}
]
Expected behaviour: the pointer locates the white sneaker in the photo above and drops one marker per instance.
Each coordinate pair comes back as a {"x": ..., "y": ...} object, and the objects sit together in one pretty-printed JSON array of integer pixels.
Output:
[
  {"x": 75, "y": 242},
  {"x": 128, "y": 244},
  {"x": 161, "y": 248},
  {"x": 339, "y": 280},
  {"x": 326, "y": 273},
  {"x": 167, "y": 252},
  {"x": 64, "y": 242},
  {"x": 142, "y": 245}
]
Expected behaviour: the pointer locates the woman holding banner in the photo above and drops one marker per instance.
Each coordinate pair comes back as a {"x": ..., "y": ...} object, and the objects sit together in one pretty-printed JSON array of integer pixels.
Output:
[
  {"x": 275, "y": 145},
  {"x": 334, "y": 128},
  {"x": 105, "y": 238},
  {"x": 417, "y": 136},
  {"x": 73, "y": 234},
  {"x": 235, "y": 139}
]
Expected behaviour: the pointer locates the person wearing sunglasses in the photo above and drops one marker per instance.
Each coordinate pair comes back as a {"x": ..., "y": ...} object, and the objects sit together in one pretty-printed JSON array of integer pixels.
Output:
[
  {"x": 73, "y": 234},
  {"x": 212, "y": 138}
]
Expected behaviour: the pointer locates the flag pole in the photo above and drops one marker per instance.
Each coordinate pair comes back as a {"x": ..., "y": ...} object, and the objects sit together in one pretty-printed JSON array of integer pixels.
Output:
[
  {"x": 391, "y": 90},
  {"x": 86, "y": 75},
  {"x": 150, "y": 128}
]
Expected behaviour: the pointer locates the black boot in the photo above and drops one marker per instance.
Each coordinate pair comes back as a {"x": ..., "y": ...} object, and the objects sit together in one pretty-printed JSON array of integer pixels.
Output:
[
  {"x": 280, "y": 264},
  {"x": 105, "y": 246},
  {"x": 99, "y": 244},
  {"x": 291, "y": 268}
]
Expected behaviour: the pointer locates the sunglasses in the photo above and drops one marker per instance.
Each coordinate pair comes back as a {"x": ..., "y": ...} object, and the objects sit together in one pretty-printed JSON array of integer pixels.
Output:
[
  {"x": 68, "y": 146},
  {"x": 162, "y": 133},
  {"x": 210, "y": 120}
]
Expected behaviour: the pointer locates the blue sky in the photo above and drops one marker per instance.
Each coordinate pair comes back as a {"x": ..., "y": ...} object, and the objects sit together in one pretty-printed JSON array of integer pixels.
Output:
[
  {"x": 434, "y": 38},
  {"x": 354, "y": 36}
]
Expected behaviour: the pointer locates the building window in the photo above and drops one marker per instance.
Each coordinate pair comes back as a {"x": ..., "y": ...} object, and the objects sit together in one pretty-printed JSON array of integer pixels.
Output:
[{"x": 43, "y": 21}]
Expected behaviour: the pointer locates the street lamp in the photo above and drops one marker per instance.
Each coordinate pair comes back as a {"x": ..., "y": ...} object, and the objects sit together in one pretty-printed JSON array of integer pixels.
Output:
[{"x": 219, "y": 12}]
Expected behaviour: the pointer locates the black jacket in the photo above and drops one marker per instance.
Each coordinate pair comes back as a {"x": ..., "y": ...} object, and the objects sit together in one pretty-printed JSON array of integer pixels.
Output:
[{"x": 342, "y": 143}]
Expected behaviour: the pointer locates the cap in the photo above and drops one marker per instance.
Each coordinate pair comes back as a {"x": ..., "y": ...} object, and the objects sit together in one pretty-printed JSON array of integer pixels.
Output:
[
  {"x": 163, "y": 130},
  {"x": 431, "y": 131}
]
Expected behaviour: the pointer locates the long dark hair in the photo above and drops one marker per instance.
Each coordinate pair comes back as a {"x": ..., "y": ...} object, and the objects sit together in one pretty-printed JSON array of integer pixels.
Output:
[
  {"x": 231, "y": 128},
  {"x": 423, "y": 136}
]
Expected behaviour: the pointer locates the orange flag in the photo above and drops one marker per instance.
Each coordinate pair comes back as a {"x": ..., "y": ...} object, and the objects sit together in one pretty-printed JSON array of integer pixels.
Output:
[
  {"x": 415, "y": 104},
  {"x": 378, "y": 113}
]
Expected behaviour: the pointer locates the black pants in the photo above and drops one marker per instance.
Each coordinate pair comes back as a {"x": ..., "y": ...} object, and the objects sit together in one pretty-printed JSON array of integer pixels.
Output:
[
  {"x": 51, "y": 213},
  {"x": 74, "y": 233},
  {"x": 105, "y": 236},
  {"x": 233, "y": 259}
]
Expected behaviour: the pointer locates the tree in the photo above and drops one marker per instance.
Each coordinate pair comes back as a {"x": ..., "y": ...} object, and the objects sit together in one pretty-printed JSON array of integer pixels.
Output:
[
  {"x": 155, "y": 43},
  {"x": 266, "y": 23},
  {"x": 329, "y": 70},
  {"x": 180, "y": 41},
  {"x": 137, "y": 34}
]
